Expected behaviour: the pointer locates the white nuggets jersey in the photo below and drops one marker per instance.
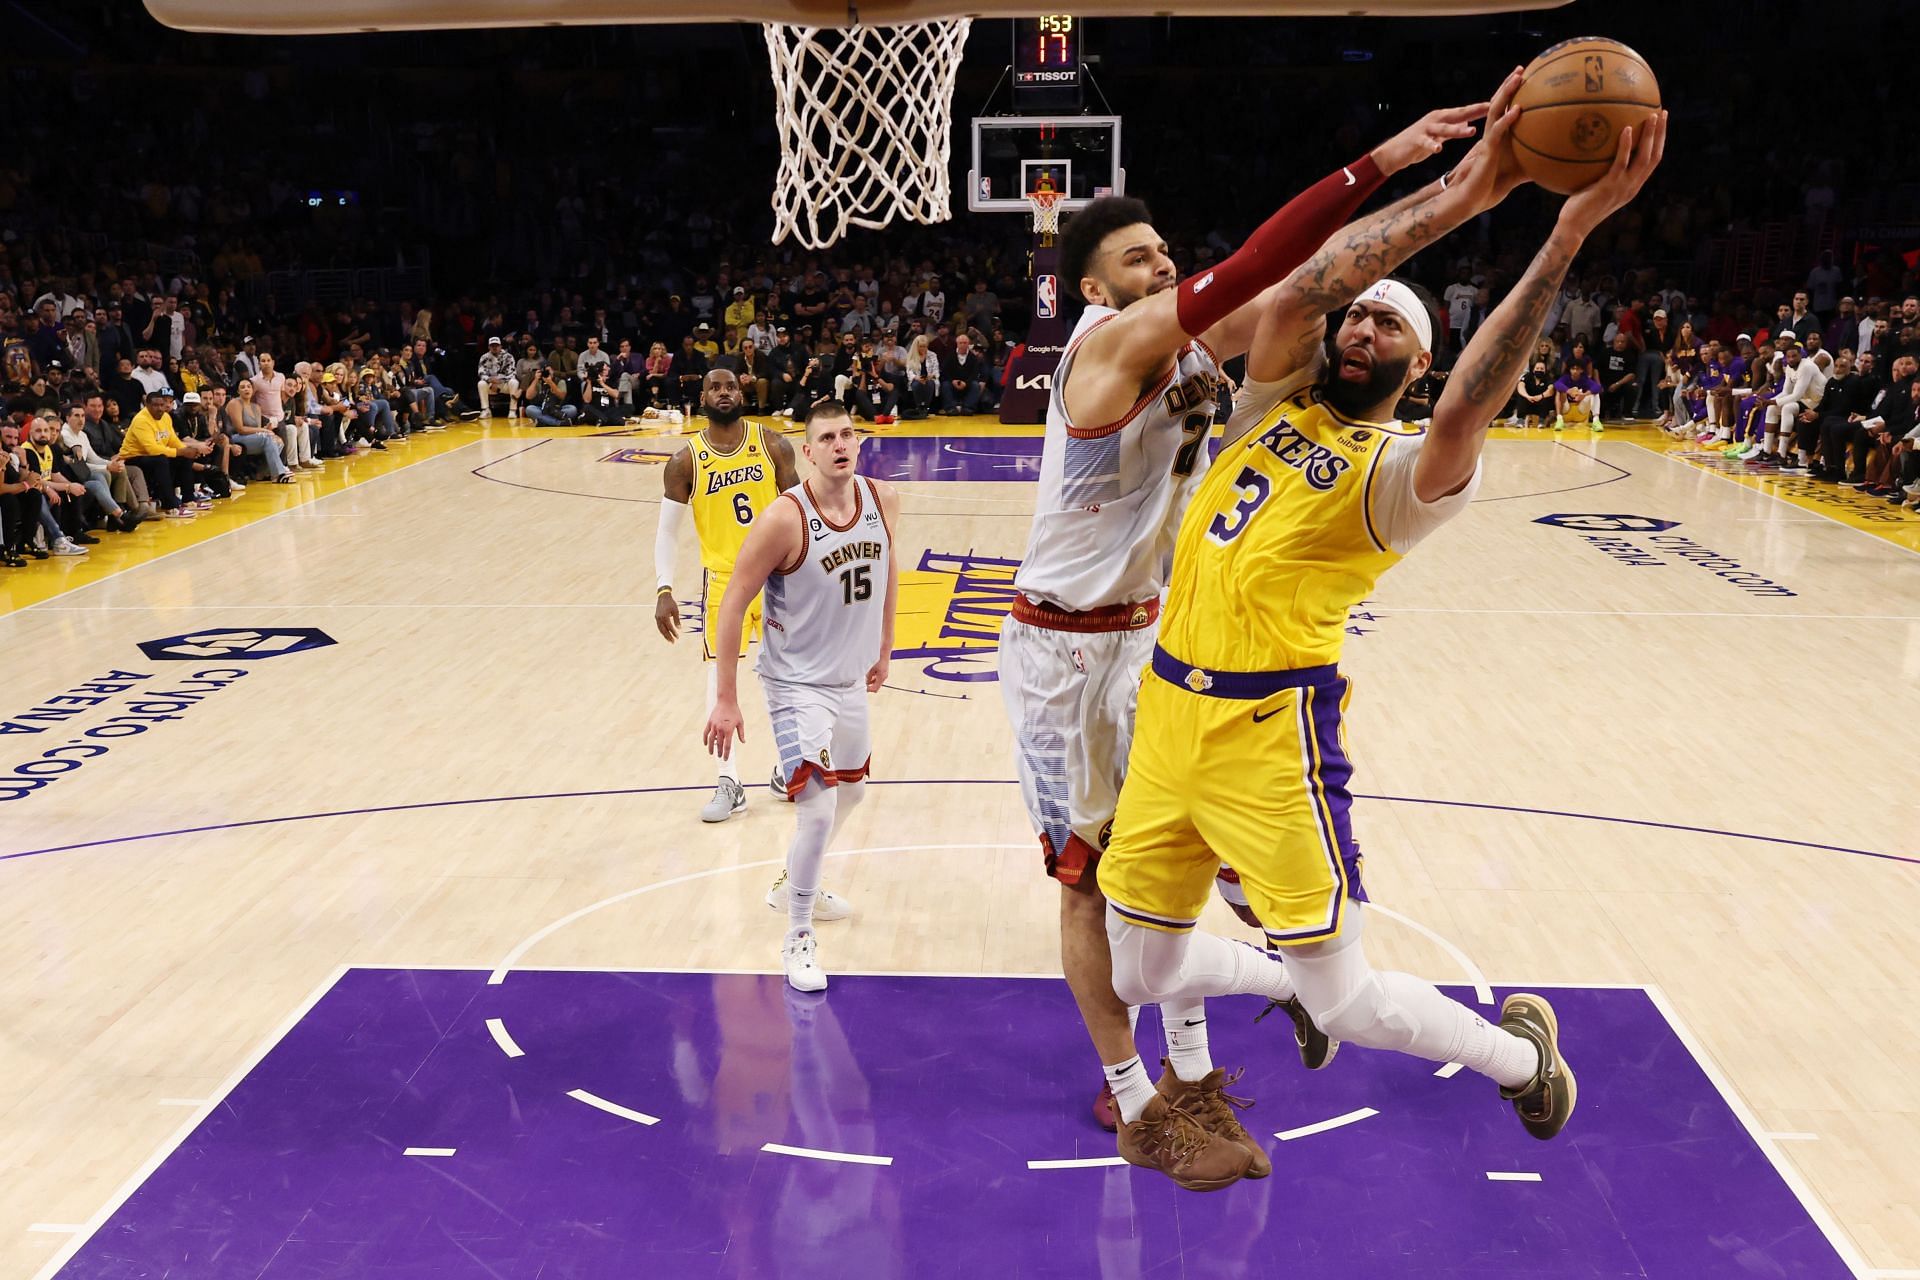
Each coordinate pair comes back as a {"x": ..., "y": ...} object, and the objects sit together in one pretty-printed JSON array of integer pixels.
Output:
[
  {"x": 1111, "y": 494},
  {"x": 824, "y": 612}
]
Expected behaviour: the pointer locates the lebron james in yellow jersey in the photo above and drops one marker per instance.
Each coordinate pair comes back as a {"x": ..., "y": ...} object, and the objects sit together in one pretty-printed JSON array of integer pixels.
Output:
[
  {"x": 1238, "y": 752},
  {"x": 727, "y": 475}
]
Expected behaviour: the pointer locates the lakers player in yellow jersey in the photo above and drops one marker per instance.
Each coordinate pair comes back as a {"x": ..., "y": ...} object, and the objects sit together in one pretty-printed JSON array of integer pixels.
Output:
[
  {"x": 727, "y": 475},
  {"x": 1316, "y": 494}
]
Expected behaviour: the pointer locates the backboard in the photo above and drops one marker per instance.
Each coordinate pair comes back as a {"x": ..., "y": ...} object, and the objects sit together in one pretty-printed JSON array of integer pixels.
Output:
[{"x": 1081, "y": 154}]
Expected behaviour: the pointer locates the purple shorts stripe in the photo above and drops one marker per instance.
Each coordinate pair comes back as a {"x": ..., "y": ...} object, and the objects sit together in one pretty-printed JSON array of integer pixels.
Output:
[
  {"x": 1336, "y": 772},
  {"x": 1157, "y": 922}
]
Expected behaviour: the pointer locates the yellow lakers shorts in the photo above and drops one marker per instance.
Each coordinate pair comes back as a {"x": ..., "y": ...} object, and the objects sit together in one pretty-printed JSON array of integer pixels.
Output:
[
  {"x": 1244, "y": 768},
  {"x": 713, "y": 591}
]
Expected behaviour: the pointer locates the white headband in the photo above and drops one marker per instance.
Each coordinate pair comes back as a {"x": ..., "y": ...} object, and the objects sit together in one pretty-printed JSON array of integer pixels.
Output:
[{"x": 1405, "y": 303}]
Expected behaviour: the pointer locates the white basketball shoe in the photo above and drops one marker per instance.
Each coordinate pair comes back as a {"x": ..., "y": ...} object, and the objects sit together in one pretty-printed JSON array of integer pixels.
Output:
[{"x": 798, "y": 958}]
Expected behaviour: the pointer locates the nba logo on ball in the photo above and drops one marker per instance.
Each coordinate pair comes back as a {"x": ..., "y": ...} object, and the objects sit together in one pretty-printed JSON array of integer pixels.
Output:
[{"x": 1046, "y": 292}]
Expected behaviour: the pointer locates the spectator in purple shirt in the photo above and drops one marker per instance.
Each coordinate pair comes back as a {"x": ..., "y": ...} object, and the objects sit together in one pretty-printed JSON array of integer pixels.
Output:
[{"x": 1576, "y": 387}]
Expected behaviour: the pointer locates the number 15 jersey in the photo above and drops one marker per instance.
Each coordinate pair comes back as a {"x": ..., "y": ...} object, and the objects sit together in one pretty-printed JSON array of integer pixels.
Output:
[
  {"x": 729, "y": 490},
  {"x": 824, "y": 611}
]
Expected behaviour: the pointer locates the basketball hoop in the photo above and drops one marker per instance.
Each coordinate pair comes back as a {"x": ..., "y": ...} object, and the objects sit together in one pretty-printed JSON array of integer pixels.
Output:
[
  {"x": 1046, "y": 214},
  {"x": 865, "y": 117}
]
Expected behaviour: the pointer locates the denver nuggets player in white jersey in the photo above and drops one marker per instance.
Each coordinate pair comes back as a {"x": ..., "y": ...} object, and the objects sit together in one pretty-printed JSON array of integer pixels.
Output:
[
  {"x": 824, "y": 554},
  {"x": 1127, "y": 430}
]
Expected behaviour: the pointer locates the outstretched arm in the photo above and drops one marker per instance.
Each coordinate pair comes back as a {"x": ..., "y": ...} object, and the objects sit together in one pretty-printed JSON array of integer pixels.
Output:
[
  {"x": 1220, "y": 306},
  {"x": 1366, "y": 252},
  {"x": 775, "y": 539},
  {"x": 1487, "y": 368}
]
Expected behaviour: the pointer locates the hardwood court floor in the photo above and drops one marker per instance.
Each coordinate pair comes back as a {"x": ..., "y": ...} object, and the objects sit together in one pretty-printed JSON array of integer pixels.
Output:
[{"x": 1624, "y": 722}]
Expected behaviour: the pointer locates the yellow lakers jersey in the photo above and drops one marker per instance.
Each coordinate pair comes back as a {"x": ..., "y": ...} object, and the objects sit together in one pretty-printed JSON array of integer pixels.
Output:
[
  {"x": 729, "y": 490},
  {"x": 1279, "y": 542}
]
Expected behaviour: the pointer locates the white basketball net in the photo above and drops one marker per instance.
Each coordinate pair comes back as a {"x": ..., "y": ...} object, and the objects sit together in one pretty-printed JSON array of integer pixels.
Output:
[
  {"x": 1046, "y": 211},
  {"x": 866, "y": 125}
]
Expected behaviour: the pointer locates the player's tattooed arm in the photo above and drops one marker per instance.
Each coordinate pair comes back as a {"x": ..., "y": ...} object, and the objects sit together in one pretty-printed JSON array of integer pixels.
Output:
[
  {"x": 785, "y": 474},
  {"x": 1484, "y": 377}
]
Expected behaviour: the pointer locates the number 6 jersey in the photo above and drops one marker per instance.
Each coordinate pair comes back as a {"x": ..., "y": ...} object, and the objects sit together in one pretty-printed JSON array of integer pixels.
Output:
[
  {"x": 729, "y": 490},
  {"x": 824, "y": 611}
]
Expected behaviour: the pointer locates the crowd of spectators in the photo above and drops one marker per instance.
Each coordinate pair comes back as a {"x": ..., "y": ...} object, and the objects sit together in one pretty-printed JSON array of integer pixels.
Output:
[
  {"x": 1821, "y": 384},
  {"x": 612, "y": 289}
]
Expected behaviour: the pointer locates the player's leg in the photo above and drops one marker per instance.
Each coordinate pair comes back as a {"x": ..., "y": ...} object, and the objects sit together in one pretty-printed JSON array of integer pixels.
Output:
[
  {"x": 1156, "y": 872},
  {"x": 1292, "y": 843},
  {"x": 1043, "y": 688},
  {"x": 803, "y": 724}
]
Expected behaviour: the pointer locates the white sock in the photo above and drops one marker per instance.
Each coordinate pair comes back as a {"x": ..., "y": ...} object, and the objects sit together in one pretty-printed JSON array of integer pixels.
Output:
[
  {"x": 730, "y": 767},
  {"x": 1186, "y": 1027},
  {"x": 813, "y": 827},
  {"x": 1132, "y": 1091}
]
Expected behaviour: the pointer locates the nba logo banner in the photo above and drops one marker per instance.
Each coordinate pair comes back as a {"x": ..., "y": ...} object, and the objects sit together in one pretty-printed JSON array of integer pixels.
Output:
[{"x": 1045, "y": 295}]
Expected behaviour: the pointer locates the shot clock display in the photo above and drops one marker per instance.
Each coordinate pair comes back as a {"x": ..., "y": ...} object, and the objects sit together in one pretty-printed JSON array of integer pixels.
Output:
[{"x": 1046, "y": 52}]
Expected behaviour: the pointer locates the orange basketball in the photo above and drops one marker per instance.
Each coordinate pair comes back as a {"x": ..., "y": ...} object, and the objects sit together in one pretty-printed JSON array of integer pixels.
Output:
[{"x": 1577, "y": 98}]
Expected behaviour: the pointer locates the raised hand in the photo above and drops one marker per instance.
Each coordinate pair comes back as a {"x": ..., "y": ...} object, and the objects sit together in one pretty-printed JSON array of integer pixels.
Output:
[
  {"x": 1488, "y": 173},
  {"x": 1637, "y": 156}
]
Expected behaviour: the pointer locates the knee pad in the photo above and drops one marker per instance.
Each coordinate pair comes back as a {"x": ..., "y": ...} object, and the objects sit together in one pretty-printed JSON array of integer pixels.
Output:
[
  {"x": 1146, "y": 962},
  {"x": 1369, "y": 1016}
]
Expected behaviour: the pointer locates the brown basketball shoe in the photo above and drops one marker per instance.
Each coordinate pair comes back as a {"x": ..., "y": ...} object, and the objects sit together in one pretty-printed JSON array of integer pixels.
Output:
[
  {"x": 1545, "y": 1103},
  {"x": 1171, "y": 1140},
  {"x": 1208, "y": 1101}
]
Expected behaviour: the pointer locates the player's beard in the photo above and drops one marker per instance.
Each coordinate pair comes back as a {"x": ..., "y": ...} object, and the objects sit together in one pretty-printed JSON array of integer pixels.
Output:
[
  {"x": 1358, "y": 399},
  {"x": 726, "y": 418}
]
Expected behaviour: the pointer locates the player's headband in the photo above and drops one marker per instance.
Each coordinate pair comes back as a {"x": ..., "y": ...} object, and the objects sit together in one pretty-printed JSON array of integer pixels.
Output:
[{"x": 1405, "y": 303}]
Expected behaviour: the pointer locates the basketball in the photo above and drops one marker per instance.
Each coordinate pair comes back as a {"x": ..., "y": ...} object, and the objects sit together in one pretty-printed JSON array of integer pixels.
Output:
[{"x": 1577, "y": 97}]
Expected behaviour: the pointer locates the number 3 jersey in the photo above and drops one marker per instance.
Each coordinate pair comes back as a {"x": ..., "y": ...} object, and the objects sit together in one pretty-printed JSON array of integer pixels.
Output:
[
  {"x": 824, "y": 612},
  {"x": 1293, "y": 526},
  {"x": 1111, "y": 494},
  {"x": 729, "y": 490}
]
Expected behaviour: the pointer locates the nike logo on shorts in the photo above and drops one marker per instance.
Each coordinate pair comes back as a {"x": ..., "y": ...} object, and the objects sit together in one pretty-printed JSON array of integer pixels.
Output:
[
  {"x": 1258, "y": 716},
  {"x": 1350, "y": 178}
]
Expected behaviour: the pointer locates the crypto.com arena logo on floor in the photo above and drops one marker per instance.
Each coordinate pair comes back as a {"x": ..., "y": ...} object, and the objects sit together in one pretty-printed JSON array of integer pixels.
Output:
[{"x": 236, "y": 644}]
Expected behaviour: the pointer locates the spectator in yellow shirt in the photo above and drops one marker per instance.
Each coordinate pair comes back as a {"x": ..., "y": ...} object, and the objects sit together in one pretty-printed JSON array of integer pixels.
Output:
[
  {"x": 154, "y": 449},
  {"x": 739, "y": 311}
]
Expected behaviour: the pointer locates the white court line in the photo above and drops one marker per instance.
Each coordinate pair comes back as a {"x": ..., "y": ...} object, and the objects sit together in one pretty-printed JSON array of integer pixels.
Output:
[
  {"x": 55, "y": 1228},
  {"x": 612, "y": 1108},
  {"x": 1481, "y": 991},
  {"x": 1448, "y": 1072},
  {"x": 1909, "y": 1274},
  {"x": 251, "y": 524},
  {"x": 498, "y": 1030},
  {"x": 499, "y": 975},
  {"x": 1513, "y": 1177},
  {"x": 1816, "y": 1207},
  {"x": 1792, "y": 1137},
  {"x": 1097, "y": 1162},
  {"x": 184, "y": 1102},
  {"x": 429, "y": 1151},
  {"x": 843, "y": 1157},
  {"x": 167, "y": 1148},
  {"x": 1307, "y": 1131},
  {"x": 1681, "y": 462}
]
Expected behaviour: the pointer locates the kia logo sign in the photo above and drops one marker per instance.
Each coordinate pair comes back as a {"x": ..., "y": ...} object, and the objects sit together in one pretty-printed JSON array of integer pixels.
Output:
[{"x": 1034, "y": 382}]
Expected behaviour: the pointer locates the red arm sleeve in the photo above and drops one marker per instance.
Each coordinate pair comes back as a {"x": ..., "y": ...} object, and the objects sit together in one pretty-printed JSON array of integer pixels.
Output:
[{"x": 1281, "y": 244}]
